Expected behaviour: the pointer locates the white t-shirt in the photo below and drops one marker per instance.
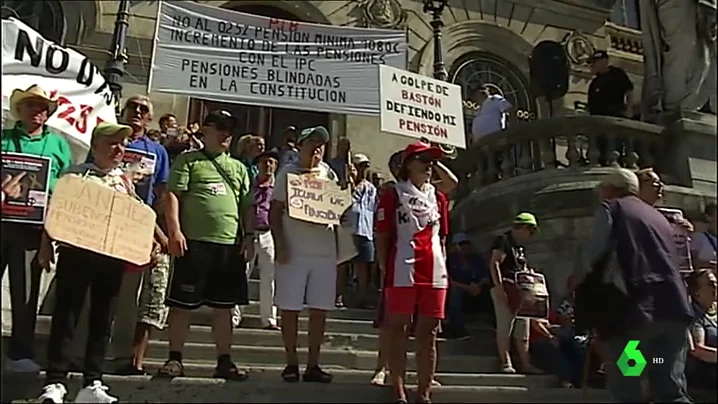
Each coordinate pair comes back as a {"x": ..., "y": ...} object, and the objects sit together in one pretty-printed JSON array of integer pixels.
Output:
[
  {"x": 491, "y": 116},
  {"x": 704, "y": 246},
  {"x": 304, "y": 238}
]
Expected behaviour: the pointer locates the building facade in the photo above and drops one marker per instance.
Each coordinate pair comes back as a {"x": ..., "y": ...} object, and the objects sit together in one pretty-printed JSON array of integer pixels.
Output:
[{"x": 485, "y": 41}]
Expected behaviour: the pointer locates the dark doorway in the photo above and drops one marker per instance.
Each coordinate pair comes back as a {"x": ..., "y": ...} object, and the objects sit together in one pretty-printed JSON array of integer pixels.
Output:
[{"x": 265, "y": 121}]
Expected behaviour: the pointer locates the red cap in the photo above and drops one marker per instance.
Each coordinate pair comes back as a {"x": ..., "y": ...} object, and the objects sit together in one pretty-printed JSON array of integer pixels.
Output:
[{"x": 421, "y": 147}]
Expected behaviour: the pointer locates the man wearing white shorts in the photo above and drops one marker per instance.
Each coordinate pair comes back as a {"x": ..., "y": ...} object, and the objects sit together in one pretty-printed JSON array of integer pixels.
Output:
[{"x": 305, "y": 260}]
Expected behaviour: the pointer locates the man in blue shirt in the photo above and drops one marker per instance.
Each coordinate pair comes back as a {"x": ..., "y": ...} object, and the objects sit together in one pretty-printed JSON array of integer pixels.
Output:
[
  {"x": 148, "y": 163},
  {"x": 469, "y": 277}
]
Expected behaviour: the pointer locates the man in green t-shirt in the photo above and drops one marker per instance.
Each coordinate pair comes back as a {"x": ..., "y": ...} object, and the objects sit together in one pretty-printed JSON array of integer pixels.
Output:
[
  {"x": 207, "y": 220},
  {"x": 20, "y": 241}
]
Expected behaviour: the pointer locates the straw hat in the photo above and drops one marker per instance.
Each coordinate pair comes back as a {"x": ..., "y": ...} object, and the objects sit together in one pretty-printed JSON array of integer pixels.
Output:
[{"x": 34, "y": 91}]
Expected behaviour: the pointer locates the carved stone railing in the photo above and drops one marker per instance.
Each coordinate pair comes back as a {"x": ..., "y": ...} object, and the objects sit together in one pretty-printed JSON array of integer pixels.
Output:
[
  {"x": 562, "y": 143},
  {"x": 624, "y": 39}
]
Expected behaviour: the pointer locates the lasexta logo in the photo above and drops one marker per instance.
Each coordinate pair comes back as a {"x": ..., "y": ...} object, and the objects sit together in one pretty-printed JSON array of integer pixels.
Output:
[{"x": 631, "y": 363}]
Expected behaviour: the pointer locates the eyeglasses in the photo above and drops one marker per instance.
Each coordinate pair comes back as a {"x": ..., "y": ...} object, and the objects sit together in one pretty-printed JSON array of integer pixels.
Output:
[
  {"x": 36, "y": 105},
  {"x": 134, "y": 105},
  {"x": 424, "y": 158}
]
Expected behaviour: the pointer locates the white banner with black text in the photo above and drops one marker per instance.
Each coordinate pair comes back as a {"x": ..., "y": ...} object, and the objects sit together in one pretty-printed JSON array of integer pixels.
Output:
[
  {"x": 83, "y": 96},
  {"x": 213, "y": 53}
]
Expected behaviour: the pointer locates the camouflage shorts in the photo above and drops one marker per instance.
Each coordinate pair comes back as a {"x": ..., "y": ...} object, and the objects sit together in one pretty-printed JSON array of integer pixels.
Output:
[{"x": 151, "y": 307}]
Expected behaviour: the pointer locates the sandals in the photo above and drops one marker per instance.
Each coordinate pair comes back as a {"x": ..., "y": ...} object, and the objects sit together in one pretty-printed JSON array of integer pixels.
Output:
[
  {"x": 229, "y": 371},
  {"x": 171, "y": 368},
  {"x": 290, "y": 374},
  {"x": 315, "y": 374}
]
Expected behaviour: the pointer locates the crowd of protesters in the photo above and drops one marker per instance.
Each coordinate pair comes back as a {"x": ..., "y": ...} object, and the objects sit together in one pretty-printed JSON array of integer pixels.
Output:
[{"x": 221, "y": 203}]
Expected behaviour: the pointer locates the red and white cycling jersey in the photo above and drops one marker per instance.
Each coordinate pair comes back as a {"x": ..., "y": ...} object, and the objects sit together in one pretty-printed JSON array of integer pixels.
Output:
[{"x": 418, "y": 222}]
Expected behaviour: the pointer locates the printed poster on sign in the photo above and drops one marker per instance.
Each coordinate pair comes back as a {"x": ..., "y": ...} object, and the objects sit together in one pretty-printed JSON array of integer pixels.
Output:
[
  {"x": 681, "y": 237},
  {"x": 219, "y": 54},
  {"x": 533, "y": 295},
  {"x": 89, "y": 215},
  {"x": 27, "y": 181},
  {"x": 421, "y": 107},
  {"x": 84, "y": 97},
  {"x": 138, "y": 165},
  {"x": 316, "y": 200}
]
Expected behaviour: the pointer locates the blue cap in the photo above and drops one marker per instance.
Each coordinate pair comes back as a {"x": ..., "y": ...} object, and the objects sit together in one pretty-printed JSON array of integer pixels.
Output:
[{"x": 460, "y": 238}]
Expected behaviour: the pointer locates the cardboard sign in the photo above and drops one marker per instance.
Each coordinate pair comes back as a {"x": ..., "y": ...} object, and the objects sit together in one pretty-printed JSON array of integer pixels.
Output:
[
  {"x": 534, "y": 299},
  {"x": 316, "y": 200},
  {"x": 91, "y": 216},
  {"x": 32, "y": 176}
]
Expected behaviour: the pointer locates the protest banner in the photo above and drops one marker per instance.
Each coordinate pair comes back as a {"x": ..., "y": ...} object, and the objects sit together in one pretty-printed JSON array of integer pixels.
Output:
[
  {"x": 421, "y": 107},
  {"x": 315, "y": 200},
  {"x": 88, "y": 215},
  {"x": 83, "y": 95},
  {"x": 210, "y": 52},
  {"x": 32, "y": 172},
  {"x": 681, "y": 237},
  {"x": 533, "y": 295}
]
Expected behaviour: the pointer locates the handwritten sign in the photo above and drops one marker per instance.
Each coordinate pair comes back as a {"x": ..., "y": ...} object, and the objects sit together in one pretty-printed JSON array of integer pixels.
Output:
[
  {"x": 315, "y": 200},
  {"x": 88, "y": 215}
]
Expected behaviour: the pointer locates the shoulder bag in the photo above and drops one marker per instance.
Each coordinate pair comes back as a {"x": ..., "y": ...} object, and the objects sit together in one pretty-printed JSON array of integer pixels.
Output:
[{"x": 237, "y": 194}]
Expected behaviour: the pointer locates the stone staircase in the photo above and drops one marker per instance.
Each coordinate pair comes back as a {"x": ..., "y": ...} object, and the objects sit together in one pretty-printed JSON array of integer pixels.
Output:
[{"x": 467, "y": 369}]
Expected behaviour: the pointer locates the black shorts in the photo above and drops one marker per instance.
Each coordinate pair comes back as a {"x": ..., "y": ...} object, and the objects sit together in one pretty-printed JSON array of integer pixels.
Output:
[{"x": 208, "y": 274}]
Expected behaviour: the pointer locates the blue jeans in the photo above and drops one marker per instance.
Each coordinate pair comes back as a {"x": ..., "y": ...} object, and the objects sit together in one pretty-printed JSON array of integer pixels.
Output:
[
  {"x": 564, "y": 361},
  {"x": 455, "y": 308},
  {"x": 667, "y": 340}
]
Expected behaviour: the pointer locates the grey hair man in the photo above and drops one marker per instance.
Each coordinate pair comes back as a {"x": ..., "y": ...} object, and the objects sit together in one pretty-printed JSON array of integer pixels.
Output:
[{"x": 656, "y": 310}]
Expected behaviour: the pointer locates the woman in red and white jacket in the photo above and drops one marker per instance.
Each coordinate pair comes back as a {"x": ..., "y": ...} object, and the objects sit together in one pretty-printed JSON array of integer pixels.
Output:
[{"x": 412, "y": 224}]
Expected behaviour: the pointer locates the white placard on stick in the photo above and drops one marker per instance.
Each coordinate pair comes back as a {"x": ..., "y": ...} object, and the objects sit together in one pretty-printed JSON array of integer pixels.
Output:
[
  {"x": 224, "y": 55},
  {"x": 88, "y": 215},
  {"x": 421, "y": 107},
  {"x": 316, "y": 200}
]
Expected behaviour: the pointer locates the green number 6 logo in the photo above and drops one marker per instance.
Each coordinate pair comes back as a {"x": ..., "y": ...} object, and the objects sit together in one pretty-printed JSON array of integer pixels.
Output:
[{"x": 631, "y": 353}]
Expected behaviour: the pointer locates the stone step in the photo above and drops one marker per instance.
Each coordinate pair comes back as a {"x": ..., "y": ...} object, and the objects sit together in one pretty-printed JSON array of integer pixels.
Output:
[
  {"x": 344, "y": 313},
  {"x": 366, "y": 342},
  {"x": 270, "y": 390},
  {"x": 339, "y": 357}
]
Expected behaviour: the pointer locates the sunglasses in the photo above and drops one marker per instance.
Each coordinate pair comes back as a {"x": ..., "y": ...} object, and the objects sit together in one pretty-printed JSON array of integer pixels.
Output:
[
  {"x": 37, "y": 105},
  {"x": 133, "y": 105},
  {"x": 424, "y": 158}
]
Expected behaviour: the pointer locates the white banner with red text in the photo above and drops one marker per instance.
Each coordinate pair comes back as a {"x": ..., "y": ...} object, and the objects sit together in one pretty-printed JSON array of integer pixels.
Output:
[
  {"x": 83, "y": 95},
  {"x": 421, "y": 107}
]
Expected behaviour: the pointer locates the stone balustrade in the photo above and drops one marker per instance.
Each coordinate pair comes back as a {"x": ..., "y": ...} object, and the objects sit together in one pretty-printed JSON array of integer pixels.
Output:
[
  {"x": 564, "y": 143},
  {"x": 624, "y": 39}
]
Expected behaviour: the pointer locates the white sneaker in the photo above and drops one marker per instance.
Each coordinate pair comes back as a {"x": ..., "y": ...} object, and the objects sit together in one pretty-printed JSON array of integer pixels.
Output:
[
  {"x": 95, "y": 393},
  {"x": 53, "y": 394},
  {"x": 379, "y": 378},
  {"x": 22, "y": 366}
]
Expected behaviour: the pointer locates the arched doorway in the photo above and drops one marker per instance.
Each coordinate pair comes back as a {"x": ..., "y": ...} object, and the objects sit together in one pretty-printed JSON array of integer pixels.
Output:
[
  {"x": 483, "y": 68},
  {"x": 264, "y": 121}
]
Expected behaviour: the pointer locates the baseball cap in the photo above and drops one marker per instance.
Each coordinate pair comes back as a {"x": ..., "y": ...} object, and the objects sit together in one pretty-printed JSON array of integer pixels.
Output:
[
  {"x": 527, "y": 219},
  {"x": 420, "y": 147},
  {"x": 318, "y": 131},
  {"x": 360, "y": 158},
  {"x": 460, "y": 238},
  {"x": 111, "y": 129},
  {"x": 273, "y": 153},
  {"x": 599, "y": 54},
  {"x": 221, "y": 119}
]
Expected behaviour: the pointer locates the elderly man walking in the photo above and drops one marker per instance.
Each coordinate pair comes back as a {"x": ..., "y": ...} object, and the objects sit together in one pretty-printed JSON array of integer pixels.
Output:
[
  {"x": 655, "y": 309},
  {"x": 20, "y": 242}
]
